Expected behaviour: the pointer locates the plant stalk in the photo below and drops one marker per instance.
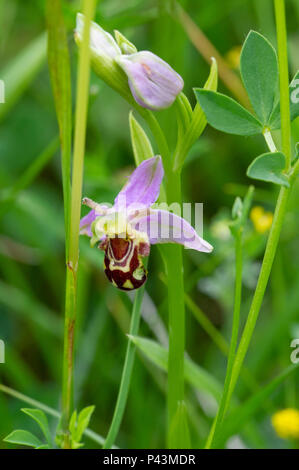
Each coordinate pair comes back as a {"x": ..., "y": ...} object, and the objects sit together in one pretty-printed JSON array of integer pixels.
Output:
[
  {"x": 173, "y": 258},
  {"x": 234, "y": 338},
  {"x": 176, "y": 307},
  {"x": 73, "y": 239},
  {"x": 283, "y": 80}
]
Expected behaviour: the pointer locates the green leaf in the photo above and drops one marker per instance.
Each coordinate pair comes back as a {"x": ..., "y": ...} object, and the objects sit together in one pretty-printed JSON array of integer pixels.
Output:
[
  {"x": 59, "y": 63},
  {"x": 73, "y": 423},
  {"x": 227, "y": 115},
  {"x": 23, "y": 438},
  {"x": 237, "y": 208},
  {"x": 184, "y": 114},
  {"x": 240, "y": 211},
  {"x": 212, "y": 81},
  {"x": 60, "y": 73},
  {"x": 77, "y": 426},
  {"x": 126, "y": 46},
  {"x": 274, "y": 121},
  {"x": 187, "y": 136},
  {"x": 179, "y": 436},
  {"x": 269, "y": 167},
  {"x": 83, "y": 420},
  {"x": 194, "y": 374},
  {"x": 199, "y": 121},
  {"x": 41, "y": 419},
  {"x": 241, "y": 415},
  {"x": 259, "y": 71},
  {"x": 142, "y": 148}
]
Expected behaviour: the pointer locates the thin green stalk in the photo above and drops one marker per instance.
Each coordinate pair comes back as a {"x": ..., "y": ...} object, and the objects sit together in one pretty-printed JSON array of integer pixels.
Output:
[
  {"x": 126, "y": 374},
  {"x": 73, "y": 241},
  {"x": 269, "y": 140},
  {"x": 176, "y": 306},
  {"x": 283, "y": 79},
  {"x": 261, "y": 286},
  {"x": 159, "y": 137},
  {"x": 281, "y": 202},
  {"x": 217, "y": 338},
  {"x": 234, "y": 339},
  {"x": 50, "y": 411}
]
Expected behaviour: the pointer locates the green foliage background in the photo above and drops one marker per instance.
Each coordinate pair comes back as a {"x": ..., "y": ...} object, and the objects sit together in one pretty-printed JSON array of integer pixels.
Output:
[{"x": 32, "y": 267}]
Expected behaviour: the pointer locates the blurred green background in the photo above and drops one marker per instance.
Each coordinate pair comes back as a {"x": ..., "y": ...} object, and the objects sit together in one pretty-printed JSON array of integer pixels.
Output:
[{"x": 32, "y": 265}]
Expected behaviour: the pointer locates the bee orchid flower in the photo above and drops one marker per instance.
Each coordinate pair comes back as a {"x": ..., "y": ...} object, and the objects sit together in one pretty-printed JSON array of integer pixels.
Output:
[
  {"x": 126, "y": 230},
  {"x": 145, "y": 76}
]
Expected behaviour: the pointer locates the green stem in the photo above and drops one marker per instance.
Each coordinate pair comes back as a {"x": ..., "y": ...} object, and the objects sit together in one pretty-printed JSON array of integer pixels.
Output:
[
  {"x": 176, "y": 306},
  {"x": 281, "y": 205},
  {"x": 283, "y": 79},
  {"x": 73, "y": 240},
  {"x": 126, "y": 374},
  {"x": 269, "y": 140},
  {"x": 159, "y": 138},
  {"x": 261, "y": 286},
  {"x": 234, "y": 339}
]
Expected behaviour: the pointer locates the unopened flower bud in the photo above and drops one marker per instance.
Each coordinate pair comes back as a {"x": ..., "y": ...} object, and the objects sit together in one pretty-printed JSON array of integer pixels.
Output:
[{"x": 153, "y": 83}]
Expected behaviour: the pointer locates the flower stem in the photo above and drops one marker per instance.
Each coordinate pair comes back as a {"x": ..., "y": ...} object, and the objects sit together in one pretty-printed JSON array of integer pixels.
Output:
[
  {"x": 176, "y": 308},
  {"x": 176, "y": 305},
  {"x": 261, "y": 287},
  {"x": 126, "y": 374},
  {"x": 159, "y": 138},
  {"x": 269, "y": 140},
  {"x": 283, "y": 80},
  {"x": 281, "y": 202},
  {"x": 234, "y": 339},
  {"x": 73, "y": 239}
]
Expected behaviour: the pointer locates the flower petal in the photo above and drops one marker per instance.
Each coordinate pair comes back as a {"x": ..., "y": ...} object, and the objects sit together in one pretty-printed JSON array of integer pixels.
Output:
[
  {"x": 165, "y": 227},
  {"x": 143, "y": 186},
  {"x": 101, "y": 42},
  {"x": 153, "y": 83},
  {"x": 85, "y": 223}
]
